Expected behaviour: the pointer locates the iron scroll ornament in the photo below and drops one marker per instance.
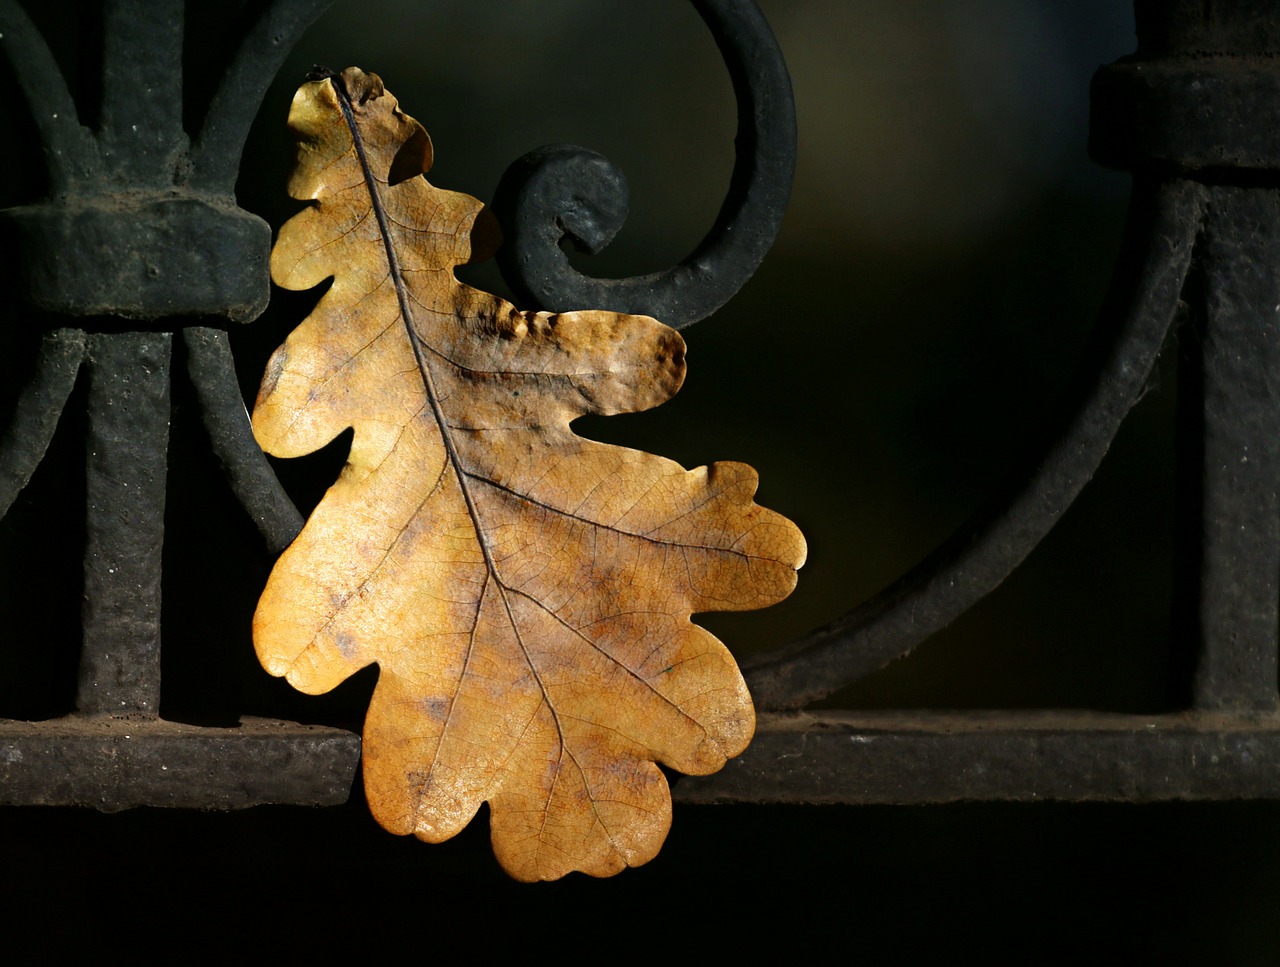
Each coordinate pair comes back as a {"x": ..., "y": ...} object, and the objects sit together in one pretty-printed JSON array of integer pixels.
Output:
[
  {"x": 552, "y": 193},
  {"x": 140, "y": 238},
  {"x": 560, "y": 189},
  {"x": 563, "y": 191},
  {"x": 1188, "y": 113}
]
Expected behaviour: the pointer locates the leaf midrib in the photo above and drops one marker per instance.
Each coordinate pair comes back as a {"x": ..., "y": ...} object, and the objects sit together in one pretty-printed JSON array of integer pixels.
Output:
[{"x": 428, "y": 382}]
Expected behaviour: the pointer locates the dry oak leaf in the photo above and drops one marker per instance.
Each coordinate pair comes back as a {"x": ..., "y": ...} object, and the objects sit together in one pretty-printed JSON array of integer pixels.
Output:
[{"x": 525, "y": 592}]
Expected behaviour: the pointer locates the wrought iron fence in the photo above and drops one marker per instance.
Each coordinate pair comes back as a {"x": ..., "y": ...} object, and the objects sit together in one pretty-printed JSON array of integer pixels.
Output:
[{"x": 140, "y": 240}]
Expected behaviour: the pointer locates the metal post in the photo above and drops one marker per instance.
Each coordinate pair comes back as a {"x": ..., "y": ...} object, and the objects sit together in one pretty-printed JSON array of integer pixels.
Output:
[{"x": 125, "y": 462}]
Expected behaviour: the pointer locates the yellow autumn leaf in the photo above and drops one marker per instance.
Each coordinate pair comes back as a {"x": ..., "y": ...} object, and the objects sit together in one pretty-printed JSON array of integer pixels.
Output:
[{"x": 525, "y": 592}]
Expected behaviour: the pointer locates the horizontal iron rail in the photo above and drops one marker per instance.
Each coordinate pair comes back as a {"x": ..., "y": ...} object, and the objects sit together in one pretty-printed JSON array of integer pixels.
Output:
[
  {"x": 904, "y": 757},
  {"x": 175, "y": 246},
  {"x": 116, "y": 763}
]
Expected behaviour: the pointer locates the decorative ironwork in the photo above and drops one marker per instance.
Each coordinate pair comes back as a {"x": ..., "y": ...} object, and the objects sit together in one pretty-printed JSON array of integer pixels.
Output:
[
  {"x": 159, "y": 240},
  {"x": 562, "y": 190},
  {"x": 1149, "y": 280},
  {"x": 1203, "y": 237},
  {"x": 139, "y": 235}
]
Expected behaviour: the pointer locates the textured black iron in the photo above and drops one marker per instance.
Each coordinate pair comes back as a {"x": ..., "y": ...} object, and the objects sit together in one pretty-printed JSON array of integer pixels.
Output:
[
  {"x": 1197, "y": 93},
  {"x": 981, "y": 554},
  {"x": 36, "y": 415},
  {"x": 564, "y": 190},
  {"x": 1191, "y": 113},
  {"x": 215, "y": 157},
  {"x": 112, "y": 764},
  {"x": 124, "y": 529},
  {"x": 252, "y": 480},
  {"x": 141, "y": 137},
  {"x": 1185, "y": 106},
  {"x": 144, "y": 226},
  {"x": 1174, "y": 28},
  {"x": 145, "y": 258},
  {"x": 139, "y": 234},
  {"x": 71, "y": 154},
  {"x": 1239, "y": 383},
  {"x": 935, "y": 757}
]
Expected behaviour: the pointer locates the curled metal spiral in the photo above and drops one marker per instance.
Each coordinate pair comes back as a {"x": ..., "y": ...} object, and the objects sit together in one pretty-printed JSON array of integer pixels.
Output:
[{"x": 563, "y": 191}]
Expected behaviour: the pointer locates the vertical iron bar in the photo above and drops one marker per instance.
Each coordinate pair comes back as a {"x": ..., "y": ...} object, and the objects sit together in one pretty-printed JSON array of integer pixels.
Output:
[
  {"x": 1239, "y": 616},
  {"x": 142, "y": 136},
  {"x": 126, "y": 460}
]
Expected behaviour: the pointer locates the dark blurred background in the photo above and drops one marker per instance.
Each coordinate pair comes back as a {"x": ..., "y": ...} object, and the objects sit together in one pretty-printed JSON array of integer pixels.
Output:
[{"x": 932, "y": 290}]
